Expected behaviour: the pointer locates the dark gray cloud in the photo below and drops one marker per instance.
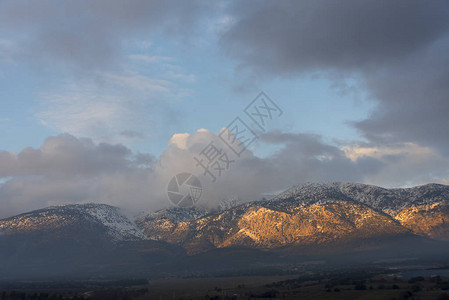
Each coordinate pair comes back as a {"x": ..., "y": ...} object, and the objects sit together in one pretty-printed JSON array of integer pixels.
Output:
[
  {"x": 65, "y": 155},
  {"x": 414, "y": 100},
  {"x": 292, "y": 36},
  {"x": 90, "y": 34},
  {"x": 398, "y": 48},
  {"x": 306, "y": 157}
]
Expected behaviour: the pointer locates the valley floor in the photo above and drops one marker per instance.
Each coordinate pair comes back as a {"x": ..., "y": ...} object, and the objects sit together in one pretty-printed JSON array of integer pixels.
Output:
[{"x": 346, "y": 285}]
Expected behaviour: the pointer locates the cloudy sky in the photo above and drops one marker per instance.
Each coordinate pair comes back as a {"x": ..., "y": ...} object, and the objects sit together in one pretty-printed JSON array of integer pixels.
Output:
[{"x": 106, "y": 100}]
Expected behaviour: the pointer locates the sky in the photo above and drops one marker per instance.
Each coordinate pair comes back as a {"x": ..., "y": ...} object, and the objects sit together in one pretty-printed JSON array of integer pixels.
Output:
[{"x": 105, "y": 101}]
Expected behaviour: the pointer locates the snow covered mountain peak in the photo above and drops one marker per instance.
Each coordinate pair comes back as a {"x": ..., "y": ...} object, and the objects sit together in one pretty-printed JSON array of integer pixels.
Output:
[
  {"x": 175, "y": 214},
  {"x": 100, "y": 216},
  {"x": 119, "y": 226},
  {"x": 376, "y": 197}
]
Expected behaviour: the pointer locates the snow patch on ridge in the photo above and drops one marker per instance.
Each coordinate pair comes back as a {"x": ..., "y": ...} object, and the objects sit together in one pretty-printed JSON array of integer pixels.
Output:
[{"x": 119, "y": 226}]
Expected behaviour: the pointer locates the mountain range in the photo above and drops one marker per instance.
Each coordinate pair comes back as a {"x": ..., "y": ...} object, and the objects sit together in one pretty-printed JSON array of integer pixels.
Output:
[{"x": 317, "y": 218}]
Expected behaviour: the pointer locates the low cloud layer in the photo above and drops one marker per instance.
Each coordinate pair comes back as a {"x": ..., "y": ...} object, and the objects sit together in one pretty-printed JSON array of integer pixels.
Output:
[{"x": 66, "y": 169}]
